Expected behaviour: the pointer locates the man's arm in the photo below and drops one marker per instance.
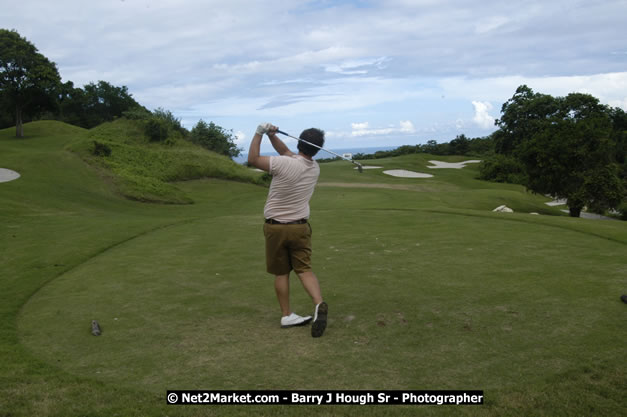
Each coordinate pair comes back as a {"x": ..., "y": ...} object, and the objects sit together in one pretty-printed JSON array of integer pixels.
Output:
[
  {"x": 254, "y": 159},
  {"x": 263, "y": 162},
  {"x": 278, "y": 144}
]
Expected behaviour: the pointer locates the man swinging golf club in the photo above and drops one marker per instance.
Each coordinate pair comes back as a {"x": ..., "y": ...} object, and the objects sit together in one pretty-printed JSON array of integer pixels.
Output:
[{"x": 286, "y": 229}]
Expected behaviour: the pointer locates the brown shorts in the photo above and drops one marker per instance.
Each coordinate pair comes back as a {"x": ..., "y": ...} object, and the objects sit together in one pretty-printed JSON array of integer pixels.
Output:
[{"x": 288, "y": 246}]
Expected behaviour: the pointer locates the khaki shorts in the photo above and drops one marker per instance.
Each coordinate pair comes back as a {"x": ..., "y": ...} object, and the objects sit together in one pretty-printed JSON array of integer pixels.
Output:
[{"x": 288, "y": 246}]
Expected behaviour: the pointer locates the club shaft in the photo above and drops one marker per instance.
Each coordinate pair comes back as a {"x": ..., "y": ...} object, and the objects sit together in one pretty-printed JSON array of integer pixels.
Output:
[{"x": 316, "y": 146}]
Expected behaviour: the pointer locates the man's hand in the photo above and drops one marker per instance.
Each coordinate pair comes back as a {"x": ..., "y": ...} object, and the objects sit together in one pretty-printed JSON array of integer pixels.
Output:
[{"x": 266, "y": 128}]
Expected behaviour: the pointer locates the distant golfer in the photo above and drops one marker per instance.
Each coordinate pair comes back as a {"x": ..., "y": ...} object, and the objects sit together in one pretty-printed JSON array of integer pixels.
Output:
[{"x": 286, "y": 229}]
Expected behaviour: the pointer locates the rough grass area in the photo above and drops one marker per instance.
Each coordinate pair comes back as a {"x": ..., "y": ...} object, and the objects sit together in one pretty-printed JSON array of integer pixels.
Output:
[
  {"x": 144, "y": 171},
  {"x": 427, "y": 288}
]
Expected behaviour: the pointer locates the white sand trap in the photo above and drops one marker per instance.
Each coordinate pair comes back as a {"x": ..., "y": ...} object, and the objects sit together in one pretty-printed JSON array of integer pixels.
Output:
[
  {"x": 557, "y": 202},
  {"x": 406, "y": 174},
  {"x": 454, "y": 165},
  {"x": 7, "y": 175},
  {"x": 369, "y": 167}
]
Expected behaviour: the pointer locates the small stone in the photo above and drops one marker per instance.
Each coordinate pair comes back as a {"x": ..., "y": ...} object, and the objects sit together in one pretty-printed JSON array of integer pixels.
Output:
[{"x": 95, "y": 328}]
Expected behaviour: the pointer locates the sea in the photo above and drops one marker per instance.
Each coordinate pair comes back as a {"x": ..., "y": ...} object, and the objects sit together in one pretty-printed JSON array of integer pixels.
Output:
[{"x": 325, "y": 155}]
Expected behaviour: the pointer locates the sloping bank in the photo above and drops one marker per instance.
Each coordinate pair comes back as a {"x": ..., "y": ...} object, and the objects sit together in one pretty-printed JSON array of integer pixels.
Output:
[{"x": 144, "y": 171}]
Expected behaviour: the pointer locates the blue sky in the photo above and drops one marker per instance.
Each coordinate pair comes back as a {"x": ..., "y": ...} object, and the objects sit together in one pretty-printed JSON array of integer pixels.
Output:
[{"x": 370, "y": 73}]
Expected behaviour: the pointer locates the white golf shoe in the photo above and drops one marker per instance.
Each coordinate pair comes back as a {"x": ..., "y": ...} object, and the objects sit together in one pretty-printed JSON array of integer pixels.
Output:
[{"x": 294, "y": 320}]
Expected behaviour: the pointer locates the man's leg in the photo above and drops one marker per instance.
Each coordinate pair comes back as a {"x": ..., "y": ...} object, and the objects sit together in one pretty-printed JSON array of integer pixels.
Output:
[
  {"x": 282, "y": 288},
  {"x": 321, "y": 309},
  {"x": 311, "y": 285}
]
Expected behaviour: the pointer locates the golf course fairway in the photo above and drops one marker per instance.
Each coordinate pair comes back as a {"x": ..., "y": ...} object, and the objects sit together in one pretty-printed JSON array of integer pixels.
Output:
[{"x": 427, "y": 289}]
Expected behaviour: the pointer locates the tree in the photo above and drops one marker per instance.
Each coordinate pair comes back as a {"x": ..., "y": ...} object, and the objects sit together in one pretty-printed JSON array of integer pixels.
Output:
[
  {"x": 481, "y": 146},
  {"x": 619, "y": 138},
  {"x": 95, "y": 104},
  {"x": 460, "y": 145},
  {"x": 214, "y": 138},
  {"x": 435, "y": 148},
  {"x": 29, "y": 82},
  {"x": 72, "y": 105},
  {"x": 564, "y": 147},
  {"x": 104, "y": 102},
  {"x": 522, "y": 116}
]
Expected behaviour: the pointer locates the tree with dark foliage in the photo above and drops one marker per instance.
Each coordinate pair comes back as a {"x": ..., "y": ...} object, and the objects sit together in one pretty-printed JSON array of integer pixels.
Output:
[
  {"x": 566, "y": 147},
  {"x": 29, "y": 82}
]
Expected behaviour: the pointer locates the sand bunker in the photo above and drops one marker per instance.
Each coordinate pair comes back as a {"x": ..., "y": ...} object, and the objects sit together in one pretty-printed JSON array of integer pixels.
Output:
[
  {"x": 369, "y": 167},
  {"x": 406, "y": 174},
  {"x": 554, "y": 203},
  {"x": 454, "y": 165},
  {"x": 7, "y": 175}
]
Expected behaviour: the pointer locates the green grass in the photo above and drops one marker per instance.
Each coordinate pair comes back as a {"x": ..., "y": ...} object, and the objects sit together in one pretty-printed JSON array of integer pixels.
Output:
[
  {"x": 144, "y": 171},
  {"x": 428, "y": 289}
]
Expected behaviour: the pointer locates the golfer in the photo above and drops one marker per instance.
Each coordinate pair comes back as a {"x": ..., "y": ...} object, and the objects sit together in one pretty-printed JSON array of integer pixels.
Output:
[{"x": 286, "y": 229}]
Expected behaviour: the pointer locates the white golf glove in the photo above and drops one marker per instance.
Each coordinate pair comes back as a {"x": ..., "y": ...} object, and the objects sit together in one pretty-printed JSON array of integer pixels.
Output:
[{"x": 263, "y": 128}]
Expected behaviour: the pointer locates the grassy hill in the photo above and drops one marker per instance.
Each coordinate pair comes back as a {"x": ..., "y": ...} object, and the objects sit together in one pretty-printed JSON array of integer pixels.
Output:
[
  {"x": 146, "y": 171},
  {"x": 428, "y": 289}
]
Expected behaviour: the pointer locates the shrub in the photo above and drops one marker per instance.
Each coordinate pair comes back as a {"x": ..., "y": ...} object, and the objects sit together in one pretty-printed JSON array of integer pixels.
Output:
[
  {"x": 101, "y": 149},
  {"x": 501, "y": 168},
  {"x": 172, "y": 122},
  {"x": 215, "y": 138},
  {"x": 136, "y": 113},
  {"x": 156, "y": 129}
]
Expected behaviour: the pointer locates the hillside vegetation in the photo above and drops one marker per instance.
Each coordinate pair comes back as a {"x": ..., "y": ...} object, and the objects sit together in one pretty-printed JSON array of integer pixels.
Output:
[{"x": 146, "y": 171}]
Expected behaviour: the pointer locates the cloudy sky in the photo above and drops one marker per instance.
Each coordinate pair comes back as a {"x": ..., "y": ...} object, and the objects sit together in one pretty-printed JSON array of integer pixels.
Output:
[{"x": 370, "y": 73}]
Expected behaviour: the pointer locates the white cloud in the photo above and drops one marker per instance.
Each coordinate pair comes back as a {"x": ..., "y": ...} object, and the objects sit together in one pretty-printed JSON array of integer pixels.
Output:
[
  {"x": 363, "y": 129},
  {"x": 407, "y": 126},
  {"x": 619, "y": 103},
  {"x": 357, "y": 67},
  {"x": 423, "y": 60},
  {"x": 240, "y": 138},
  {"x": 360, "y": 126},
  {"x": 482, "y": 117},
  {"x": 608, "y": 88},
  {"x": 491, "y": 23}
]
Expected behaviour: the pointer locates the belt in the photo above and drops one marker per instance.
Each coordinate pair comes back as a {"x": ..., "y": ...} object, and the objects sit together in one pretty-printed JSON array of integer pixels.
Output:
[{"x": 272, "y": 221}]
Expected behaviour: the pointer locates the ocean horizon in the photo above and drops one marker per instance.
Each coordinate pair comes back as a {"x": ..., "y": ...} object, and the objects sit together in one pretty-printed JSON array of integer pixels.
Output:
[{"x": 325, "y": 155}]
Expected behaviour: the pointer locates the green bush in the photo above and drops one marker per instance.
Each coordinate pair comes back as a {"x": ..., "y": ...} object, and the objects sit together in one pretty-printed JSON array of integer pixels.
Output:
[
  {"x": 101, "y": 149},
  {"x": 501, "y": 168},
  {"x": 172, "y": 122},
  {"x": 136, "y": 113},
  {"x": 156, "y": 129},
  {"x": 214, "y": 138}
]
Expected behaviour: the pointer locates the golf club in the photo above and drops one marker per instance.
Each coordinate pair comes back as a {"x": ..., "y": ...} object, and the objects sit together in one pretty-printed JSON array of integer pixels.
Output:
[{"x": 360, "y": 168}]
